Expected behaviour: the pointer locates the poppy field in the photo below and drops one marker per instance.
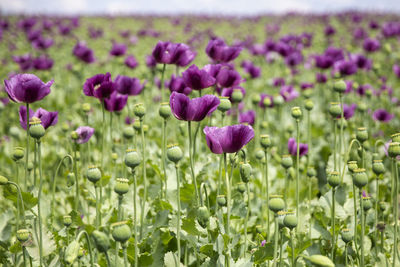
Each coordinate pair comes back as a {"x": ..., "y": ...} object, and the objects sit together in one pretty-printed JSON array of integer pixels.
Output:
[{"x": 200, "y": 140}]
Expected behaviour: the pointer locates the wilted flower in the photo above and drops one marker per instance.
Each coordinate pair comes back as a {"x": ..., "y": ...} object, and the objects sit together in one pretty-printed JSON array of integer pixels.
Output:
[{"x": 26, "y": 88}]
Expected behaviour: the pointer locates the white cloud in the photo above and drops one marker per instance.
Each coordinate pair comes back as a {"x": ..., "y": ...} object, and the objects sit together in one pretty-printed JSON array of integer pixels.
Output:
[{"x": 13, "y": 6}]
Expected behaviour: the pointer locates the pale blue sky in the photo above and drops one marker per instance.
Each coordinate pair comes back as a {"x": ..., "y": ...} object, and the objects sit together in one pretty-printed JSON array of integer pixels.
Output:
[{"x": 245, "y": 7}]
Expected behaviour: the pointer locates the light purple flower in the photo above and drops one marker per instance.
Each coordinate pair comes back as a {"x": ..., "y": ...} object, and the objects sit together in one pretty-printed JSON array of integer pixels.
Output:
[
  {"x": 84, "y": 134},
  {"x": 47, "y": 118},
  {"x": 26, "y": 88}
]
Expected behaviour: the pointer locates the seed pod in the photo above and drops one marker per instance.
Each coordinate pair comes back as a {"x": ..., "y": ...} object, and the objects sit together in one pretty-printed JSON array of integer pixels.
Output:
[
  {"x": 334, "y": 179},
  {"x": 296, "y": 113},
  {"x": 265, "y": 141},
  {"x": 394, "y": 149},
  {"x": 352, "y": 165},
  {"x": 36, "y": 130},
  {"x": 72, "y": 251},
  {"x": 139, "y": 110},
  {"x": 132, "y": 158},
  {"x": 346, "y": 235},
  {"x": 70, "y": 179},
  {"x": 367, "y": 204},
  {"x": 121, "y": 231},
  {"x": 309, "y": 104},
  {"x": 381, "y": 226},
  {"x": 259, "y": 154},
  {"x": 321, "y": 261},
  {"x": 335, "y": 109},
  {"x": 281, "y": 216},
  {"x": 267, "y": 102},
  {"x": 395, "y": 137},
  {"x": 137, "y": 126},
  {"x": 255, "y": 99},
  {"x": 276, "y": 203},
  {"x": 128, "y": 132},
  {"x": 245, "y": 171},
  {"x": 362, "y": 134},
  {"x": 164, "y": 111},
  {"x": 360, "y": 178},
  {"x": 311, "y": 172},
  {"x": 86, "y": 107},
  {"x": 378, "y": 167},
  {"x": 93, "y": 174},
  {"x": 101, "y": 240},
  {"x": 221, "y": 200},
  {"x": 290, "y": 220},
  {"x": 203, "y": 216},
  {"x": 278, "y": 100},
  {"x": 18, "y": 153},
  {"x": 339, "y": 86},
  {"x": 237, "y": 96},
  {"x": 67, "y": 220},
  {"x": 23, "y": 235},
  {"x": 30, "y": 166},
  {"x": 114, "y": 156},
  {"x": 174, "y": 153},
  {"x": 3, "y": 180},
  {"x": 241, "y": 187},
  {"x": 121, "y": 186},
  {"x": 224, "y": 104}
]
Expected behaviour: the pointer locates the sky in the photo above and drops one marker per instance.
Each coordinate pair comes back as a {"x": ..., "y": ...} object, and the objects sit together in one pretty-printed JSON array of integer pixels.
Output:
[{"x": 228, "y": 7}]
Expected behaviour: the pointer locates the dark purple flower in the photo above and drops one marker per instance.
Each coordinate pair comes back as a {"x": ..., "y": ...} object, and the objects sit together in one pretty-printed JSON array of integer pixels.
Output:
[
  {"x": 278, "y": 82},
  {"x": 26, "y": 88},
  {"x": 131, "y": 62},
  {"x": 197, "y": 79},
  {"x": 64, "y": 29},
  {"x": 359, "y": 33},
  {"x": 228, "y": 77},
  {"x": 42, "y": 43},
  {"x": 24, "y": 61},
  {"x": 118, "y": 49},
  {"x": 323, "y": 61},
  {"x": 371, "y": 45},
  {"x": 129, "y": 120},
  {"x": 320, "y": 78},
  {"x": 251, "y": 69},
  {"x": 84, "y": 134},
  {"x": 396, "y": 70},
  {"x": 220, "y": 52},
  {"x": 195, "y": 109},
  {"x": 43, "y": 63},
  {"x": 213, "y": 69},
  {"x": 99, "y": 86},
  {"x": 292, "y": 148},
  {"x": 361, "y": 61},
  {"x": 306, "y": 85},
  {"x": 263, "y": 96},
  {"x": 329, "y": 30},
  {"x": 334, "y": 53},
  {"x": 288, "y": 93},
  {"x": 348, "y": 111},
  {"x": 228, "y": 139},
  {"x": 47, "y": 118},
  {"x": 382, "y": 115},
  {"x": 116, "y": 102},
  {"x": 346, "y": 67},
  {"x": 84, "y": 53},
  {"x": 177, "y": 84},
  {"x": 182, "y": 55},
  {"x": 227, "y": 92},
  {"x": 247, "y": 117},
  {"x": 128, "y": 86},
  {"x": 294, "y": 58},
  {"x": 151, "y": 62}
]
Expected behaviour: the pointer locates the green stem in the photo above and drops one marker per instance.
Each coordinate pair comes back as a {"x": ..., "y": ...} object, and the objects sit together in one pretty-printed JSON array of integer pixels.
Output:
[
  {"x": 334, "y": 144},
  {"x": 297, "y": 167},
  {"x": 144, "y": 178},
  {"x": 164, "y": 136},
  {"x": 162, "y": 83},
  {"x": 191, "y": 164},
  {"x": 39, "y": 202},
  {"x": 285, "y": 191},
  {"x": 376, "y": 213},
  {"x": 363, "y": 230},
  {"x": 116, "y": 253},
  {"x": 292, "y": 246},
  {"x": 396, "y": 209},
  {"x": 276, "y": 240},
  {"x": 135, "y": 217},
  {"x": 341, "y": 137},
  {"x": 221, "y": 158},
  {"x": 24, "y": 255},
  {"x": 178, "y": 226},
  {"x": 345, "y": 254},
  {"x": 34, "y": 163},
  {"x": 89, "y": 245},
  {"x": 228, "y": 207},
  {"x": 309, "y": 206},
  {"x": 267, "y": 191},
  {"x": 76, "y": 179},
  {"x": 107, "y": 259},
  {"x": 27, "y": 146},
  {"x": 97, "y": 207},
  {"x": 21, "y": 200},
  {"x": 120, "y": 198},
  {"x": 246, "y": 219},
  {"x": 333, "y": 225},
  {"x": 280, "y": 248},
  {"x": 355, "y": 217},
  {"x": 125, "y": 255},
  {"x": 103, "y": 134}
]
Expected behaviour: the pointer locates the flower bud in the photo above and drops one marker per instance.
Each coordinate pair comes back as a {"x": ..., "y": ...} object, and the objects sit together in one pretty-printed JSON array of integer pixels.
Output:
[
  {"x": 101, "y": 241},
  {"x": 241, "y": 187},
  {"x": 30, "y": 166},
  {"x": 362, "y": 134},
  {"x": 290, "y": 220},
  {"x": 18, "y": 153},
  {"x": 278, "y": 100},
  {"x": 128, "y": 132},
  {"x": 164, "y": 111},
  {"x": 296, "y": 113},
  {"x": 265, "y": 141},
  {"x": 362, "y": 107},
  {"x": 267, "y": 102},
  {"x": 395, "y": 137},
  {"x": 145, "y": 128},
  {"x": 287, "y": 161},
  {"x": 3, "y": 180},
  {"x": 321, "y": 261},
  {"x": 70, "y": 179},
  {"x": 255, "y": 99},
  {"x": 174, "y": 153},
  {"x": 259, "y": 229},
  {"x": 245, "y": 171},
  {"x": 23, "y": 235},
  {"x": 381, "y": 226},
  {"x": 72, "y": 251},
  {"x": 309, "y": 104},
  {"x": 114, "y": 156},
  {"x": 67, "y": 220},
  {"x": 86, "y": 107},
  {"x": 139, "y": 110},
  {"x": 121, "y": 231},
  {"x": 237, "y": 96},
  {"x": 121, "y": 186},
  {"x": 367, "y": 204},
  {"x": 394, "y": 149},
  {"x": 276, "y": 203},
  {"x": 137, "y": 125},
  {"x": 93, "y": 174},
  {"x": 74, "y": 135},
  {"x": 339, "y": 86},
  {"x": 36, "y": 130},
  {"x": 335, "y": 109},
  {"x": 221, "y": 200},
  {"x": 352, "y": 165},
  {"x": 307, "y": 93},
  {"x": 346, "y": 235},
  {"x": 224, "y": 104},
  {"x": 132, "y": 158},
  {"x": 378, "y": 167},
  {"x": 334, "y": 179},
  {"x": 65, "y": 127},
  {"x": 311, "y": 172},
  {"x": 259, "y": 154},
  {"x": 203, "y": 216},
  {"x": 360, "y": 178}
]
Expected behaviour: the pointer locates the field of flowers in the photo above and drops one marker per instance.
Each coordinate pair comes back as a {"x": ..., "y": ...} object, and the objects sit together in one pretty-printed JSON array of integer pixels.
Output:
[{"x": 200, "y": 140}]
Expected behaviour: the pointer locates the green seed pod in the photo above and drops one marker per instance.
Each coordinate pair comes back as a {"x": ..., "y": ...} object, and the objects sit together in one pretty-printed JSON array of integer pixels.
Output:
[
  {"x": 114, "y": 156},
  {"x": 139, "y": 110},
  {"x": 23, "y": 235},
  {"x": 3, "y": 180},
  {"x": 72, "y": 251},
  {"x": 346, "y": 235},
  {"x": 378, "y": 167},
  {"x": 321, "y": 261},
  {"x": 132, "y": 158},
  {"x": 367, "y": 203},
  {"x": 267, "y": 102},
  {"x": 128, "y": 132},
  {"x": 276, "y": 203},
  {"x": 394, "y": 149},
  {"x": 255, "y": 99},
  {"x": 265, "y": 141},
  {"x": 339, "y": 86},
  {"x": 237, "y": 96},
  {"x": 101, "y": 240},
  {"x": 145, "y": 128},
  {"x": 278, "y": 100},
  {"x": 290, "y": 129},
  {"x": 290, "y": 220},
  {"x": 352, "y": 165},
  {"x": 259, "y": 154},
  {"x": 70, "y": 179},
  {"x": 18, "y": 153},
  {"x": 67, "y": 220},
  {"x": 382, "y": 206},
  {"x": 74, "y": 135},
  {"x": 137, "y": 126},
  {"x": 311, "y": 172},
  {"x": 362, "y": 134},
  {"x": 381, "y": 226},
  {"x": 395, "y": 137},
  {"x": 221, "y": 200},
  {"x": 121, "y": 231},
  {"x": 245, "y": 171},
  {"x": 296, "y": 113},
  {"x": 224, "y": 104},
  {"x": 335, "y": 109},
  {"x": 93, "y": 174},
  {"x": 164, "y": 111},
  {"x": 86, "y": 107},
  {"x": 309, "y": 104},
  {"x": 281, "y": 216},
  {"x": 360, "y": 178},
  {"x": 36, "y": 130},
  {"x": 334, "y": 179},
  {"x": 203, "y": 216},
  {"x": 307, "y": 93},
  {"x": 121, "y": 186},
  {"x": 30, "y": 166},
  {"x": 65, "y": 127},
  {"x": 81, "y": 253},
  {"x": 241, "y": 187},
  {"x": 174, "y": 153},
  {"x": 287, "y": 161},
  {"x": 362, "y": 107}
]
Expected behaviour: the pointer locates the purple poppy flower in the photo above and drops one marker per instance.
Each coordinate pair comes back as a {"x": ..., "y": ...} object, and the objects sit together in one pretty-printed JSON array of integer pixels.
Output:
[
  {"x": 278, "y": 82},
  {"x": 251, "y": 69},
  {"x": 151, "y": 62},
  {"x": 247, "y": 117},
  {"x": 129, "y": 120},
  {"x": 306, "y": 85},
  {"x": 228, "y": 77},
  {"x": 84, "y": 53},
  {"x": 263, "y": 96},
  {"x": 131, "y": 62},
  {"x": 64, "y": 29},
  {"x": 84, "y": 134},
  {"x": 182, "y": 55},
  {"x": 227, "y": 92},
  {"x": 43, "y": 63},
  {"x": 99, "y": 86},
  {"x": 359, "y": 33},
  {"x": 220, "y": 52},
  {"x": 320, "y": 78},
  {"x": 362, "y": 89},
  {"x": 42, "y": 43},
  {"x": 294, "y": 58},
  {"x": 213, "y": 69},
  {"x": 346, "y": 67},
  {"x": 228, "y": 139},
  {"x": 288, "y": 93},
  {"x": 24, "y": 61},
  {"x": 195, "y": 109},
  {"x": 323, "y": 61},
  {"x": 371, "y": 45},
  {"x": 396, "y": 70},
  {"x": 128, "y": 86},
  {"x": 263, "y": 243},
  {"x": 382, "y": 115},
  {"x": 26, "y": 88},
  {"x": 348, "y": 111},
  {"x": 197, "y": 79},
  {"x": 116, "y": 102},
  {"x": 329, "y": 30},
  {"x": 334, "y": 53},
  {"x": 361, "y": 61},
  {"x": 118, "y": 49},
  {"x": 47, "y": 118},
  {"x": 177, "y": 84},
  {"x": 292, "y": 148}
]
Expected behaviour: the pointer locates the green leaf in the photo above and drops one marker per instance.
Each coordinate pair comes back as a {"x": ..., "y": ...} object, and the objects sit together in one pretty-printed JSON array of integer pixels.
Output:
[
  {"x": 189, "y": 226},
  {"x": 145, "y": 259},
  {"x": 207, "y": 250},
  {"x": 10, "y": 193},
  {"x": 264, "y": 253},
  {"x": 169, "y": 260},
  {"x": 15, "y": 248},
  {"x": 105, "y": 179}
]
